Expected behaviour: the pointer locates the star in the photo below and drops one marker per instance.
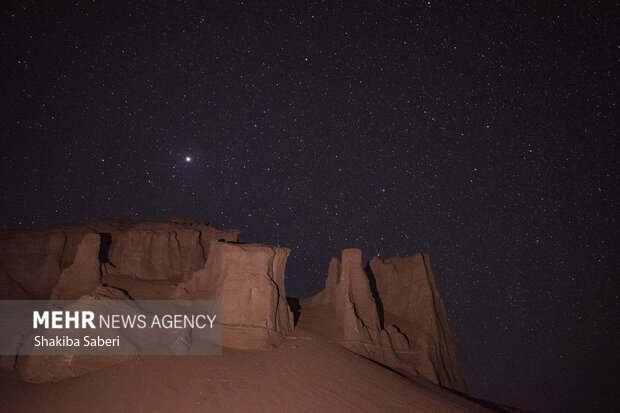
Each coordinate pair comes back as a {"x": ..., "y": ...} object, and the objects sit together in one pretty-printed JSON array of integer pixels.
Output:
[{"x": 188, "y": 159}]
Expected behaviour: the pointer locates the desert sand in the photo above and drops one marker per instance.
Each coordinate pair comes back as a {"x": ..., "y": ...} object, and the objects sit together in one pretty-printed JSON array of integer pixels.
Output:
[{"x": 305, "y": 373}]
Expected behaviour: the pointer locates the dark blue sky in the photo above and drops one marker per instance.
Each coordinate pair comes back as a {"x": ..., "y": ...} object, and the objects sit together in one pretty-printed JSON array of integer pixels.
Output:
[{"x": 483, "y": 134}]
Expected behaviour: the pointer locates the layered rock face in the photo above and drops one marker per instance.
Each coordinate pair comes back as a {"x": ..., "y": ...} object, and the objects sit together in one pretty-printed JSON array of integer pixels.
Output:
[
  {"x": 162, "y": 251},
  {"x": 31, "y": 263},
  {"x": 146, "y": 261},
  {"x": 345, "y": 309},
  {"x": 83, "y": 275},
  {"x": 412, "y": 304},
  {"x": 249, "y": 281},
  {"x": 51, "y": 368},
  {"x": 389, "y": 312}
]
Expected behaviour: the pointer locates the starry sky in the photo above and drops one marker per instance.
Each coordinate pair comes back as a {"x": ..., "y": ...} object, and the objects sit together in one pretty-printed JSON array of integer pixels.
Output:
[{"x": 482, "y": 133}]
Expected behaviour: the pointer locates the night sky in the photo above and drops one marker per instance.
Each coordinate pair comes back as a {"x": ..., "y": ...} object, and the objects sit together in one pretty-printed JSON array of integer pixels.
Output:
[{"x": 483, "y": 134}]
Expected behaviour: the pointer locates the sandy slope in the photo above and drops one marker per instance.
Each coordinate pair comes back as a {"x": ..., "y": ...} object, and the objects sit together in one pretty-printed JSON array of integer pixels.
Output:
[{"x": 305, "y": 374}]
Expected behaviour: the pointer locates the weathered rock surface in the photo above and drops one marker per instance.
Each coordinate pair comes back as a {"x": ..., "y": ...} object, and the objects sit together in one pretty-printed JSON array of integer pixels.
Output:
[
  {"x": 389, "y": 312},
  {"x": 161, "y": 251},
  {"x": 82, "y": 276},
  {"x": 118, "y": 261},
  {"x": 53, "y": 368},
  {"x": 346, "y": 306},
  {"x": 156, "y": 261},
  {"x": 31, "y": 263},
  {"x": 412, "y": 305},
  {"x": 249, "y": 281}
]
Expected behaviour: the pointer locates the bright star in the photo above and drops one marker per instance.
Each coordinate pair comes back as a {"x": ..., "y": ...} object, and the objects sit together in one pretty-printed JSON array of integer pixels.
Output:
[{"x": 188, "y": 159}]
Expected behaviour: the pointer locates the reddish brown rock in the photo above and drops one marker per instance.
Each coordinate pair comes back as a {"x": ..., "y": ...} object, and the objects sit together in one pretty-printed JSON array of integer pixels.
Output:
[
  {"x": 82, "y": 276},
  {"x": 249, "y": 281},
  {"x": 148, "y": 261},
  {"x": 31, "y": 262},
  {"x": 9, "y": 289},
  {"x": 53, "y": 368},
  {"x": 346, "y": 307},
  {"x": 412, "y": 306},
  {"x": 390, "y": 312},
  {"x": 162, "y": 251}
]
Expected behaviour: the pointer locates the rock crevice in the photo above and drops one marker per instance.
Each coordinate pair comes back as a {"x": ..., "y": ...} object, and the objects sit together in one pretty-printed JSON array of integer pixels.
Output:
[{"x": 389, "y": 312}]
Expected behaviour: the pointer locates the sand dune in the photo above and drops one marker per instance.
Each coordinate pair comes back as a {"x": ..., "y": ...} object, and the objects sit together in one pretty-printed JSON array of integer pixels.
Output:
[{"x": 306, "y": 373}]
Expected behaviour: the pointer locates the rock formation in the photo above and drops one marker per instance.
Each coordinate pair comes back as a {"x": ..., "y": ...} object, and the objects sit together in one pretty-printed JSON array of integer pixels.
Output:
[
  {"x": 412, "y": 304},
  {"x": 82, "y": 276},
  {"x": 31, "y": 263},
  {"x": 161, "y": 251},
  {"x": 390, "y": 312},
  {"x": 346, "y": 310},
  {"x": 249, "y": 281},
  {"x": 52, "y": 368},
  {"x": 145, "y": 261}
]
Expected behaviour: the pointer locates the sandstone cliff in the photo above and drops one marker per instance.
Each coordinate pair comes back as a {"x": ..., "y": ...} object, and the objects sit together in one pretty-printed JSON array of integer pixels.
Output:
[
  {"x": 389, "y": 312},
  {"x": 146, "y": 261},
  {"x": 412, "y": 305},
  {"x": 31, "y": 263},
  {"x": 53, "y": 368},
  {"x": 249, "y": 281}
]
